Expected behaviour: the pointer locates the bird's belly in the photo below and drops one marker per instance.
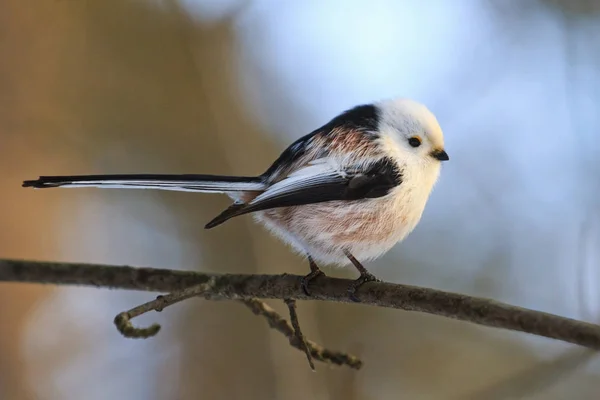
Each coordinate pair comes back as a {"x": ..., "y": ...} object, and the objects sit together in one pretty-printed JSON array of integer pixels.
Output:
[{"x": 366, "y": 228}]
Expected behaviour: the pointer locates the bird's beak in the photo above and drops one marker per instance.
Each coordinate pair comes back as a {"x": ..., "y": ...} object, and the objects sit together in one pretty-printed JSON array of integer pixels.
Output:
[{"x": 440, "y": 154}]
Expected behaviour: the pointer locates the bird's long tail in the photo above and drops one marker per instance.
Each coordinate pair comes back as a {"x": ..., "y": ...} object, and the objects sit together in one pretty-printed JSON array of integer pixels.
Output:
[{"x": 185, "y": 183}]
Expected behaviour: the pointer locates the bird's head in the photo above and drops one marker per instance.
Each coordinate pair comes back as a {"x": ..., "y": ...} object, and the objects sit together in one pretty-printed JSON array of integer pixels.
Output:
[{"x": 413, "y": 130}]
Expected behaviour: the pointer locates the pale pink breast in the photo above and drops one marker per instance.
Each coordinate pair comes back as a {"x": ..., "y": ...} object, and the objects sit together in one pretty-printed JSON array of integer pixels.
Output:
[{"x": 341, "y": 224}]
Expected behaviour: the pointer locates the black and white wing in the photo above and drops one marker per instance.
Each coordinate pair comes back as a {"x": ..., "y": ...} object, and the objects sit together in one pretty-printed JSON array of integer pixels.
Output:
[
  {"x": 341, "y": 160},
  {"x": 354, "y": 130},
  {"x": 321, "y": 181}
]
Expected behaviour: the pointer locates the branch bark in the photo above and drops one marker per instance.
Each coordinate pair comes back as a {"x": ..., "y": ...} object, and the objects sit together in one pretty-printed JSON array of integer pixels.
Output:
[{"x": 476, "y": 310}]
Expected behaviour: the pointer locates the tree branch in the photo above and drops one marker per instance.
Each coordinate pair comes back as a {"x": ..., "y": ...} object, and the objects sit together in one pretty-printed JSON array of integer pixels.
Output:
[
  {"x": 276, "y": 321},
  {"x": 123, "y": 320},
  {"x": 317, "y": 352},
  {"x": 410, "y": 298},
  {"x": 298, "y": 335}
]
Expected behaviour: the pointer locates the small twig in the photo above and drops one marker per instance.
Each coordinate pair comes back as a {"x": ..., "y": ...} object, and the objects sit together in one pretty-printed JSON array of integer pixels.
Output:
[
  {"x": 317, "y": 352},
  {"x": 299, "y": 337},
  {"x": 294, "y": 334},
  {"x": 123, "y": 320},
  {"x": 124, "y": 325}
]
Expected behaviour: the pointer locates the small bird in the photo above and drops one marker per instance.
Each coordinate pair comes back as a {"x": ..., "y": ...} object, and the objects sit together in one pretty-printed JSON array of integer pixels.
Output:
[{"x": 348, "y": 191}]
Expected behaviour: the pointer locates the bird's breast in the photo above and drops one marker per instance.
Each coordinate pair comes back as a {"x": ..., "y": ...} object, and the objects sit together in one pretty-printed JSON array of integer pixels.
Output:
[
  {"x": 368, "y": 220},
  {"x": 367, "y": 228}
]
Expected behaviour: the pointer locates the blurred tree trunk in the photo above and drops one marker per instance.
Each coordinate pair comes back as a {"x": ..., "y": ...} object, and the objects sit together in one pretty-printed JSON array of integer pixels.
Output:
[
  {"x": 119, "y": 86},
  {"x": 27, "y": 117}
]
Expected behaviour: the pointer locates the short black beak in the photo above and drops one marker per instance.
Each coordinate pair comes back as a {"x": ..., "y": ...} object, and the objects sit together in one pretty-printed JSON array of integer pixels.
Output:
[{"x": 440, "y": 155}]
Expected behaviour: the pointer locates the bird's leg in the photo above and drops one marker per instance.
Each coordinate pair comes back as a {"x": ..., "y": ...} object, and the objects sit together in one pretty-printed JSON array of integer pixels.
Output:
[
  {"x": 314, "y": 272},
  {"x": 365, "y": 276}
]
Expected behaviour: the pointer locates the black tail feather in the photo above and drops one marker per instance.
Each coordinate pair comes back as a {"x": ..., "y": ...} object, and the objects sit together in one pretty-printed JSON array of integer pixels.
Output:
[
  {"x": 55, "y": 181},
  {"x": 189, "y": 182},
  {"x": 230, "y": 212}
]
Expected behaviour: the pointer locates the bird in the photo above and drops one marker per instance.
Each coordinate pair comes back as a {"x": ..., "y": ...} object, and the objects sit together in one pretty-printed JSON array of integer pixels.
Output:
[{"x": 350, "y": 190}]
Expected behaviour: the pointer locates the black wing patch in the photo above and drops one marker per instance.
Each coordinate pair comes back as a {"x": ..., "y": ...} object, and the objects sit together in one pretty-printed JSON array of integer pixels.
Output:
[
  {"x": 376, "y": 181},
  {"x": 364, "y": 118}
]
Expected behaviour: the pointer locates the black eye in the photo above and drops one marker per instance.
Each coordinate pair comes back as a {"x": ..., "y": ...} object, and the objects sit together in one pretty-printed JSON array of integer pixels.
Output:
[{"x": 414, "y": 141}]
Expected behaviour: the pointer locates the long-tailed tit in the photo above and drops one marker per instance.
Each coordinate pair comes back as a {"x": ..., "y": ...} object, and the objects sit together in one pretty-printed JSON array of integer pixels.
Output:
[{"x": 352, "y": 188}]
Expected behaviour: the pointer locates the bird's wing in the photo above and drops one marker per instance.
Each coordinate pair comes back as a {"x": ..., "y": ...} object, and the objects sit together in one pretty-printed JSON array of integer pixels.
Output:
[
  {"x": 354, "y": 132},
  {"x": 320, "y": 181}
]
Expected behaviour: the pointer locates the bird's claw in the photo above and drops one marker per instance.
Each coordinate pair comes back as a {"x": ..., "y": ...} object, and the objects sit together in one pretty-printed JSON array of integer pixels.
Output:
[
  {"x": 364, "y": 278},
  {"x": 309, "y": 278}
]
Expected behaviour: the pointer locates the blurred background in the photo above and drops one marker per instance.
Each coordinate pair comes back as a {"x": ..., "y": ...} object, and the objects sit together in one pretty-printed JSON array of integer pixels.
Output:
[{"x": 222, "y": 86}]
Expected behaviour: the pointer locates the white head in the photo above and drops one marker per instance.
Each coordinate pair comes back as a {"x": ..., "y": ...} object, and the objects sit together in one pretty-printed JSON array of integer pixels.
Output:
[{"x": 413, "y": 129}]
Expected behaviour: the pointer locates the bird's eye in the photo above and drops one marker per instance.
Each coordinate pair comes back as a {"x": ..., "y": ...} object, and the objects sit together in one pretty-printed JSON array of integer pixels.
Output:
[{"x": 414, "y": 141}]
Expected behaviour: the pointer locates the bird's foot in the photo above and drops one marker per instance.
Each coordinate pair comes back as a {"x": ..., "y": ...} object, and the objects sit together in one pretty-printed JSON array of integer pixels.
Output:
[
  {"x": 314, "y": 273},
  {"x": 364, "y": 278}
]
